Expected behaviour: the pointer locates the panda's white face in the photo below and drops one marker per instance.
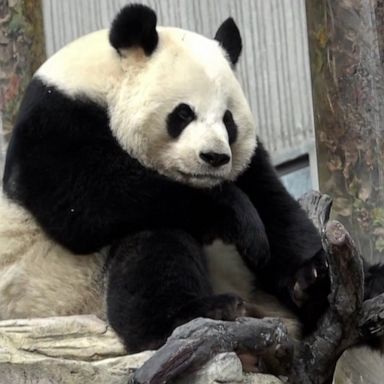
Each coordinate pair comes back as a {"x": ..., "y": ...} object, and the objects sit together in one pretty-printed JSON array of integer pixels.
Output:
[
  {"x": 179, "y": 111},
  {"x": 182, "y": 112}
]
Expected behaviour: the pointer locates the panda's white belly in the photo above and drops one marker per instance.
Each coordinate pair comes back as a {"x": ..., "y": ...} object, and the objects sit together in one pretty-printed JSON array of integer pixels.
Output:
[
  {"x": 229, "y": 274},
  {"x": 227, "y": 270},
  {"x": 39, "y": 278}
]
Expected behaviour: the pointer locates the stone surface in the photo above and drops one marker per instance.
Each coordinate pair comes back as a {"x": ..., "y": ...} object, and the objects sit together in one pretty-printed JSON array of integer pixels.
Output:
[
  {"x": 360, "y": 365},
  {"x": 71, "y": 337},
  {"x": 73, "y": 349},
  {"x": 84, "y": 350},
  {"x": 224, "y": 368},
  {"x": 261, "y": 379}
]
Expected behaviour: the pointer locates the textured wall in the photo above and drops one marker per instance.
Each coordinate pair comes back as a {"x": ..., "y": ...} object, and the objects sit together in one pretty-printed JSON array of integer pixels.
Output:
[{"x": 274, "y": 68}]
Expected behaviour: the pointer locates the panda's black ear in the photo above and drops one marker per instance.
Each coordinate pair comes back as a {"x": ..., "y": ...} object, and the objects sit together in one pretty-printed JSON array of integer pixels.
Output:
[
  {"x": 228, "y": 35},
  {"x": 134, "y": 26}
]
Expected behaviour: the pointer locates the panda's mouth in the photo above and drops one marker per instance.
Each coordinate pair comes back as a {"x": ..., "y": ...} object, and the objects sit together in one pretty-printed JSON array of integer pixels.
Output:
[{"x": 201, "y": 176}]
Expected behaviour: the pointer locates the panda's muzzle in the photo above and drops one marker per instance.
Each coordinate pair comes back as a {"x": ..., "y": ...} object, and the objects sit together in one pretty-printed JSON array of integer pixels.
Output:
[
  {"x": 215, "y": 159},
  {"x": 202, "y": 176}
]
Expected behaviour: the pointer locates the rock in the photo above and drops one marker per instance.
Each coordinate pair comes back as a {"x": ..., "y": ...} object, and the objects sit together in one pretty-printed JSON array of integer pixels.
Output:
[
  {"x": 70, "y": 337},
  {"x": 261, "y": 379},
  {"x": 84, "y": 350},
  {"x": 73, "y": 349},
  {"x": 224, "y": 368},
  {"x": 360, "y": 365}
]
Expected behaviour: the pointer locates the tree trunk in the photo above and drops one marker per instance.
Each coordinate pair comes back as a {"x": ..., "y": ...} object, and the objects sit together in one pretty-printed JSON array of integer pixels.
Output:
[
  {"x": 22, "y": 50},
  {"x": 346, "y": 45},
  {"x": 346, "y": 40}
]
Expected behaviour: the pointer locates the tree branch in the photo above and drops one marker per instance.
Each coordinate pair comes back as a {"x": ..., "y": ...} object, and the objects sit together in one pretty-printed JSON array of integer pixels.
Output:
[
  {"x": 193, "y": 344},
  {"x": 316, "y": 356}
]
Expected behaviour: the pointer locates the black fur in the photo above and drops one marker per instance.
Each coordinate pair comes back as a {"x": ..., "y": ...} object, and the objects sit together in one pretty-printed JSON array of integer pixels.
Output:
[
  {"x": 228, "y": 35},
  {"x": 230, "y": 126},
  {"x": 164, "y": 278},
  {"x": 134, "y": 26},
  {"x": 374, "y": 280},
  {"x": 293, "y": 239},
  {"x": 64, "y": 165},
  {"x": 179, "y": 119}
]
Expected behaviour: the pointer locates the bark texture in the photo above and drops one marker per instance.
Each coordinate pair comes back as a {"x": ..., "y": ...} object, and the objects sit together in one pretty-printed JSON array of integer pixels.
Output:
[
  {"x": 22, "y": 50},
  {"x": 196, "y": 342},
  {"x": 346, "y": 44}
]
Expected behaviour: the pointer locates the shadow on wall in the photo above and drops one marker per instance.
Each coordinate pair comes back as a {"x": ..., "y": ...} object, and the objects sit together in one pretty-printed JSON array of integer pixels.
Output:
[{"x": 298, "y": 182}]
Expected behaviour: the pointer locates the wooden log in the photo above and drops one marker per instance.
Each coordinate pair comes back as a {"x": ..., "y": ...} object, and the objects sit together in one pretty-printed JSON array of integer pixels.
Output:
[
  {"x": 193, "y": 344},
  {"x": 316, "y": 356}
]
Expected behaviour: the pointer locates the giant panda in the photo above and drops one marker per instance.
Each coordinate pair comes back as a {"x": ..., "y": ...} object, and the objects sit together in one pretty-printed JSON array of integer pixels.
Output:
[{"x": 136, "y": 188}]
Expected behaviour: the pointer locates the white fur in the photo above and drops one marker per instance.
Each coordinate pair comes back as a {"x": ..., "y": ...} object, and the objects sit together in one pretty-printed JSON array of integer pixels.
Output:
[
  {"x": 229, "y": 274},
  {"x": 38, "y": 278},
  {"x": 88, "y": 66},
  {"x": 185, "y": 68},
  {"x": 141, "y": 91}
]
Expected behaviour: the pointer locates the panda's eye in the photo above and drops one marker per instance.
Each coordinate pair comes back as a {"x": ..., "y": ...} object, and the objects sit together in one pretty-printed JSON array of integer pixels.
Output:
[
  {"x": 230, "y": 126},
  {"x": 227, "y": 118},
  {"x": 185, "y": 112},
  {"x": 179, "y": 119}
]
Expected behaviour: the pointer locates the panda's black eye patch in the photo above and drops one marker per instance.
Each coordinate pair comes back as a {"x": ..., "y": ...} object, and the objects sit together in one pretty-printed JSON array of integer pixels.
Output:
[
  {"x": 185, "y": 112},
  {"x": 230, "y": 126},
  {"x": 179, "y": 118}
]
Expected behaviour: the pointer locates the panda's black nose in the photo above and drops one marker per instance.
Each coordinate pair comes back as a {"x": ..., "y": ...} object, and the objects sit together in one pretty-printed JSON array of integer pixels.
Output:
[{"x": 215, "y": 159}]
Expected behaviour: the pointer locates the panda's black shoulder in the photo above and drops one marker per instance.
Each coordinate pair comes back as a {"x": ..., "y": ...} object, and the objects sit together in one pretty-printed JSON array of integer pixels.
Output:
[
  {"x": 64, "y": 165},
  {"x": 47, "y": 125}
]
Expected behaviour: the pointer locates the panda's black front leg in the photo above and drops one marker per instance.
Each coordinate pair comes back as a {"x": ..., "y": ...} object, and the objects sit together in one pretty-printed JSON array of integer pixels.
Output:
[
  {"x": 232, "y": 217},
  {"x": 158, "y": 280},
  {"x": 297, "y": 269}
]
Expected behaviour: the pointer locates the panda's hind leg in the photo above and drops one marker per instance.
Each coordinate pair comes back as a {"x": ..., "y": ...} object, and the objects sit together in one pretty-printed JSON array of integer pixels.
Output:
[{"x": 158, "y": 280}]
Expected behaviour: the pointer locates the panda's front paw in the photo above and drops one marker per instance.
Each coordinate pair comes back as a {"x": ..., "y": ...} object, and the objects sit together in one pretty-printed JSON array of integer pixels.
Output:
[
  {"x": 227, "y": 307},
  {"x": 311, "y": 280},
  {"x": 310, "y": 289}
]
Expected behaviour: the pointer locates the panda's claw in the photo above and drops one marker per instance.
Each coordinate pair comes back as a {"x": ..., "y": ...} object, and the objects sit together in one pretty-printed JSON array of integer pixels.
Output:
[
  {"x": 298, "y": 295},
  {"x": 308, "y": 278}
]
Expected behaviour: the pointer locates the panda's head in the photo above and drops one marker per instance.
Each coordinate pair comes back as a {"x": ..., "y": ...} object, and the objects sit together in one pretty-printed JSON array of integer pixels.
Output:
[
  {"x": 173, "y": 100},
  {"x": 179, "y": 108}
]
